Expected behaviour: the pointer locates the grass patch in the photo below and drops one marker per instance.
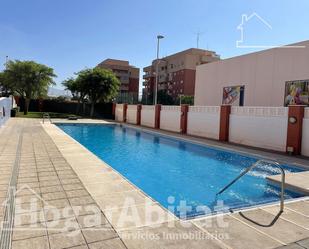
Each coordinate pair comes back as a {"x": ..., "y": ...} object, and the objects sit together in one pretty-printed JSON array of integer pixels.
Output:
[{"x": 40, "y": 115}]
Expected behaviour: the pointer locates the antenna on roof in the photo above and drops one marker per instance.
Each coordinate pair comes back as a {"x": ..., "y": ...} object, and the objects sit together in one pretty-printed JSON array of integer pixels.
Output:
[{"x": 198, "y": 34}]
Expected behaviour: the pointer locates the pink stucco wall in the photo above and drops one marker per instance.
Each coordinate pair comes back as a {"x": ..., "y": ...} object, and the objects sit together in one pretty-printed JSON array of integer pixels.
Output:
[{"x": 262, "y": 73}]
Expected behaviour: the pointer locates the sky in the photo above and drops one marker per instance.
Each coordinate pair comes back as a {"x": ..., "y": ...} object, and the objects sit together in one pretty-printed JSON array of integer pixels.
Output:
[{"x": 70, "y": 35}]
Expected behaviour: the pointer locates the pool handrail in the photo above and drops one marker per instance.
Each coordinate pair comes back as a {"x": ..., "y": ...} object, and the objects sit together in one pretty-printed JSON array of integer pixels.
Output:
[
  {"x": 46, "y": 115},
  {"x": 253, "y": 166}
]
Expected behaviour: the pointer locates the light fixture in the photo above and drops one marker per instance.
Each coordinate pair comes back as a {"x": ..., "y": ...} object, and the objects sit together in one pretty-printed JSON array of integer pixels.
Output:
[{"x": 292, "y": 120}]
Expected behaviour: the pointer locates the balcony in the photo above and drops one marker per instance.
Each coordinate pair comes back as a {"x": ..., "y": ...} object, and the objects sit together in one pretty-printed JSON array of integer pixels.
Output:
[
  {"x": 148, "y": 75},
  {"x": 162, "y": 86}
]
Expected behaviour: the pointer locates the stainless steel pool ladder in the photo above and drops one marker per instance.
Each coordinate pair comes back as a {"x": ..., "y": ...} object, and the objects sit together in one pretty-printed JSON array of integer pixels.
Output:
[
  {"x": 46, "y": 116},
  {"x": 253, "y": 166}
]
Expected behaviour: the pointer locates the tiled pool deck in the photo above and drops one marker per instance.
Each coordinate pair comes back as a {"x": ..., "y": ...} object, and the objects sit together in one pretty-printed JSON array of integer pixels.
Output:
[{"x": 59, "y": 172}]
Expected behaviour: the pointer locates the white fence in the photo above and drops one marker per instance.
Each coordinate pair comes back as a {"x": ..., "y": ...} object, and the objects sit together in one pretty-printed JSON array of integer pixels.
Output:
[
  {"x": 264, "y": 127},
  {"x": 119, "y": 112},
  {"x": 132, "y": 114},
  {"x": 148, "y": 115},
  {"x": 170, "y": 118},
  {"x": 204, "y": 121},
  {"x": 5, "y": 109},
  {"x": 305, "y": 138}
]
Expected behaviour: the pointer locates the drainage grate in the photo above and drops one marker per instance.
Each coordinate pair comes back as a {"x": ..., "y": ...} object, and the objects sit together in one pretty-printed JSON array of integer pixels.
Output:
[{"x": 8, "y": 218}]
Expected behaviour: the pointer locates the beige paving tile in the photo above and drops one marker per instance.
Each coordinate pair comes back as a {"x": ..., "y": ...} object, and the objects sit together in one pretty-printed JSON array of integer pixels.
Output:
[
  {"x": 76, "y": 201},
  {"x": 29, "y": 231},
  {"x": 27, "y": 180},
  {"x": 176, "y": 235},
  {"x": 29, "y": 218},
  {"x": 137, "y": 216},
  {"x": 66, "y": 240},
  {"x": 33, "y": 243},
  {"x": 282, "y": 230},
  {"x": 108, "y": 244},
  {"x": 88, "y": 209},
  {"x": 91, "y": 220},
  {"x": 290, "y": 215},
  {"x": 61, "y": 203},
  {"x": 77, "y": 193},
  {"x": 68, "y": 187},
  {"x": 99, "y": 233},
  {"x": 28, "y": 207},
  {"x": 121, "y": 199},
  {"x": 54, "y": 196},
  {"x": 27, "y": 191},
  {"x": 49, "y": 183},
  {"x": 301, "y": 207},
  {"x": 58, "y": 213},
  {"x": 70, "y": 181},
  {"x": 51, "y": 189},
  {"x": 62, "y": 226},
  {"x": 113, "y": 187},
  {"x": 236, "y": 234}
]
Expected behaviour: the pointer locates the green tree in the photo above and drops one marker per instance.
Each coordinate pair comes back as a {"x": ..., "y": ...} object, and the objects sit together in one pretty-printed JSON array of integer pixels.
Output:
[
  {"x": 186, "y": 99},
  {"x": 28, "y": 79},
  {"x": 99, "y": 84},
  {"x": 78, "y": 91}
]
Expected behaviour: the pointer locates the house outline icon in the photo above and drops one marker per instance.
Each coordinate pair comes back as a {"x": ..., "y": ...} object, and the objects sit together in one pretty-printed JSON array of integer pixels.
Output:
[
  {"x": 244, "y": 19},
  {"x": 23, "y": 187}
]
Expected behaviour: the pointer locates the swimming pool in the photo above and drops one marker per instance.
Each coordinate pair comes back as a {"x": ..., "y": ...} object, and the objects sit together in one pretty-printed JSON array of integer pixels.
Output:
[{"x": 165, "y": 167}]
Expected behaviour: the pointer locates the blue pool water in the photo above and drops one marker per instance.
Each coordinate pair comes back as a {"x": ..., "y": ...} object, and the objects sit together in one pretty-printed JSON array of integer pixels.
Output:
[{"x": 164, "y": 167}]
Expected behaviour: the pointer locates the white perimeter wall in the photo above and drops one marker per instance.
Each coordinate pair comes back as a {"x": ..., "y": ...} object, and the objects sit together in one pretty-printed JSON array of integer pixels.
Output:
[
  {"x": 204, "y": 121},
  {"x": 5, "y": 109},
  {"x": 305, "y": 138},
  {"x": 148, "y": 115},
  {"x": 170, "y": 118},
  {"x": 264, "y": 127},
  {"x": 119, "y": 112},
  {"x": 131, "y": 114}
]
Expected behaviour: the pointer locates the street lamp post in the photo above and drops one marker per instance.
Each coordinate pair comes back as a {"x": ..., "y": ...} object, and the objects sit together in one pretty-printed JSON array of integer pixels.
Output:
[{"x": 155, "y": 96}]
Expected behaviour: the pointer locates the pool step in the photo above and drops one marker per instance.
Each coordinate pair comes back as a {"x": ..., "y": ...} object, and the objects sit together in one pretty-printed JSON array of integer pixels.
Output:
[{"x": 298, "y": 182}]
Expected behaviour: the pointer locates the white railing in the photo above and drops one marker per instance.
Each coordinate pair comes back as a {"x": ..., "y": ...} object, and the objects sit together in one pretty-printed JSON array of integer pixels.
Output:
[
  {"x": 204, "y": 109},
  {"x": 260, "y": 111},
  {"x": 148, "y": 107},
  {"x": 170, "y": 108}
]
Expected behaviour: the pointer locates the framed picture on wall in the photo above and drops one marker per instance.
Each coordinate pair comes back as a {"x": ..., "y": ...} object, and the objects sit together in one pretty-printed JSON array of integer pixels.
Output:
[
  {"x": 233, "y": 95},
  {"x": 296, "y": 92}
]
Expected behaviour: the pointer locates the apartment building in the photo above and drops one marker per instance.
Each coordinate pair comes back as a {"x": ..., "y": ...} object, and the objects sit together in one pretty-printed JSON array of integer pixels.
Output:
[
  {"x": 176, "y": 73},
  {"x": 128, "y": 76}
]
